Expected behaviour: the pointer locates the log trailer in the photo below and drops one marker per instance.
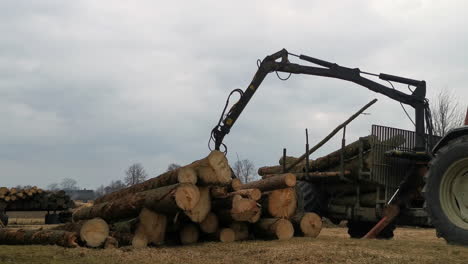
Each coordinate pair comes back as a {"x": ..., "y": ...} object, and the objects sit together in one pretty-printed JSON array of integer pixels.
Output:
[{"x": 419, "y": 180}]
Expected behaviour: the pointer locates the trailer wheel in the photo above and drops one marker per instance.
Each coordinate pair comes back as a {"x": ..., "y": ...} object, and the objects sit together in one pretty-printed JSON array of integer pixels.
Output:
[
  {"x": 358, "y": 229},
  {"x": 446, "y": 191},
  {"x": 309, "y": 198}
]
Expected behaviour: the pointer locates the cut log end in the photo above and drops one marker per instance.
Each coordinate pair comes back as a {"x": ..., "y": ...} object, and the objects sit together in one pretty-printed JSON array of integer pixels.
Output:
[
  {"x": 140, "y": 239},
  {"x": 210, "y": 224},
  {"x": 284, "y": 229},
  {"x": 220, "y": 165},
  {"x": 282, "y": 203},
  {"x": 227, "y": 235},
  {"x": 187, "y": 196},
  {"x": 187, "y": 175},
  {"x": 154, "y": 225},
  {"x": 198, "y": 213},
  {"x": 94, "y": 232},
  {"x": 290, "y": 179},
  {"x": 236, "y": 184},
  {"x": 241, "y": 230},
  {"x": 311, "y": 224},
  {"x": 189, "y": 234}
]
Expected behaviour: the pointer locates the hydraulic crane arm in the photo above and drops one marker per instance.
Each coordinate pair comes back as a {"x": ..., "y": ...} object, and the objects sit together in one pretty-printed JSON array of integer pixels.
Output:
[{"x": 278, "y": 62}]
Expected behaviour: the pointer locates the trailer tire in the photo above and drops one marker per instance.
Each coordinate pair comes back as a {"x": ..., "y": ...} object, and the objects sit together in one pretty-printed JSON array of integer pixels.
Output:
[
  {"x": 309, "y": 198},
  {"x": 445, "y": 191}
]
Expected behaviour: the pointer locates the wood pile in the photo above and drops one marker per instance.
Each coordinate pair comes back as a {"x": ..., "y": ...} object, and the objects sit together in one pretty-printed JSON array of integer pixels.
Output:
[
  {"x": 197, "y": 202},
  {"x": 33, "y": 199}
]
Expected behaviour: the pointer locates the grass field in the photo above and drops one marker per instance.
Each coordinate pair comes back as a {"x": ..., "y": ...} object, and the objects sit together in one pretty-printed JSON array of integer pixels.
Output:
[{"x": 332, "y": 246}]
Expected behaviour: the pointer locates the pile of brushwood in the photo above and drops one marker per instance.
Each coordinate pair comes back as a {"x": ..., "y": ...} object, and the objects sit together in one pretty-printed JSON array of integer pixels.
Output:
[{"x": 197, "y": 202}]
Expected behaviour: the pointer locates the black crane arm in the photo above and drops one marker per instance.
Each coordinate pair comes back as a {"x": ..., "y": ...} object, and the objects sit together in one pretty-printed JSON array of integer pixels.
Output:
[{"x": 279, "y": 62}]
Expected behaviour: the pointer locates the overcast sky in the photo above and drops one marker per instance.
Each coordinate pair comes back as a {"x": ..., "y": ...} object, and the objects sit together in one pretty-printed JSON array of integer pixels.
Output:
[{"x": 89, "y": 87}]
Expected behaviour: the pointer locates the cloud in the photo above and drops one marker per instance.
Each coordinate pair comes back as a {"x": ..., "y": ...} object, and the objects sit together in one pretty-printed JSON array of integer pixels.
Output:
[{"x": 89, "y": 87}]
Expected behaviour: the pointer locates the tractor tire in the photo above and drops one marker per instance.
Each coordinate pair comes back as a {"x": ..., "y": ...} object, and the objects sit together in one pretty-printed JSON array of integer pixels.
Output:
[
  {"x": 358, "y": 229},
  {"x": 4, "y": 219},
  {"x": 310, "y": 198},
  {"x": 446, "y": 191}
]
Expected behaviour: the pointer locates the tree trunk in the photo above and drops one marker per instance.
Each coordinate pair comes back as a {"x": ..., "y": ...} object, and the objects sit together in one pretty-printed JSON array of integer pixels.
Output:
[
  {"x": 307, "y": 224},
  {"x": 281, "y": 203},
  {"x": 202, "y": 208},
  {"x": 227, "y": 235},
  {"x": 189, "y": 234},
  {"x": 111, "y": 242},
  {"x": 279, "y": 181},
  {"x": 216, "y": 162},
  {"x": 279, "y": 228},
  {"x": 37, "y": 237},
  {"x": 210, "y": 224},
  {"x": 236, "y": 208},
  {"x": 165, "y": 200},
  {"x": 241, "y": 230},
  {"x": 94, "y": 232},
  {"x": 253, "y": 194}
]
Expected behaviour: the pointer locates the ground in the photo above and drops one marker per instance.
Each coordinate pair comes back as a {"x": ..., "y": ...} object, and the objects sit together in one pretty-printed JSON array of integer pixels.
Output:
[{"x": 332, "y": 246}]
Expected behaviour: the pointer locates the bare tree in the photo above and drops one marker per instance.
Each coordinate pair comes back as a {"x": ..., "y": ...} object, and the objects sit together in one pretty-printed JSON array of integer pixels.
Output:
[
  {"x": 244, "y": 170},
  {"x": 135, "y": 174},
  {"x": 53, "y": 187},
  {"x": 173, "y": 166},
  {"x": 446, "y": 112},
  {"x": 69, "y": 184}
]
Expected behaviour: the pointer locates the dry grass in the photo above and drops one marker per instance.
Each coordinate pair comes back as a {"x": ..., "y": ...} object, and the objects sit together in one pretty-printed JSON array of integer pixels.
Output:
[{"x": 332, "y": 246}]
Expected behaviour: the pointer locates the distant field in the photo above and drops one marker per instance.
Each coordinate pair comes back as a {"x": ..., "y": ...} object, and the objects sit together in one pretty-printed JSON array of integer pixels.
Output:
[{"x": 414, "y": 246}]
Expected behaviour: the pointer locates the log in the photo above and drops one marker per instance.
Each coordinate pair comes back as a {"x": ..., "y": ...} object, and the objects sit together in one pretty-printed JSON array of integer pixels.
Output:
[
  {"x": 111, "y": 242},
  {"x": 253, "y": 194},
  {"x": 94, "y": 232},
  {"x": 37, "y": 237},
  {"x": 312, "y": 176},
  {"x": 236, "y": 184},
  {"x": 238, "y": 209},
  {"x": 279, "y": 228},
  {"x": 212, "y": 170},
  {"x": 154, "y": 226},
  {"x": 165, "y": 200},
  {"x": 281, "y": 203},
  {"x": 124, "y": 239},
  {"x": 307, "y": 224},
  {"x": 140, "y": 239},
  {"x": 189, "y": 234},
  {"x": 241, "y": 230},
  {"x": 279, "y": 181},
  {"x": 202, "y": 208},
  {"x": 218, "y": 191},
  {"x": 210, "y": 224},
  {"x": 227, "y": 235}
]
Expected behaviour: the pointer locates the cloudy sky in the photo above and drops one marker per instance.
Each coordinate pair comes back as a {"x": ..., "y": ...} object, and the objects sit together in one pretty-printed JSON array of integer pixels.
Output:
[{"x": 89, "y": 87}]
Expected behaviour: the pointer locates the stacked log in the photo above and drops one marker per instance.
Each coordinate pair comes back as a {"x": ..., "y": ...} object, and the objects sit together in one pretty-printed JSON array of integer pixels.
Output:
[
  {"x": 33, "y": 199},
  {"x": 197, "y": 202}
]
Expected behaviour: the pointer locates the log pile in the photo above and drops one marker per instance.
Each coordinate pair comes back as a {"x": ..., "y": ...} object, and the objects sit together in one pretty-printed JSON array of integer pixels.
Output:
[
  {"x": 197, "y": 202},
  {"x": 33, "y": 199}
]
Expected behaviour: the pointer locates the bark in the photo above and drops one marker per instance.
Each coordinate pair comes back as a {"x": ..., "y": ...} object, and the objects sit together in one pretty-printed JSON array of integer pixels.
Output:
[
  {"x": 214, "y": 169},
  {"x": 241, "y": 230},
  {"x": 111, "y": 242},
  {"x": 237, "y": 208},
  {"x": 210, "y": 224},
  {"x": 189, "y": 234},
  {"x": 37, "y": 237},
  {"x": 279, "y": 228},
  {"x": 253, "y": 194},
  {"x": 279, "y": 181},
  {"x": 165, "y": 200}
]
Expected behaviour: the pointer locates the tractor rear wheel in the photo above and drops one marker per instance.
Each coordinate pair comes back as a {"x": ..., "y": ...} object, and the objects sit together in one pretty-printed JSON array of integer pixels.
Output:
[{"x": 446, "y": 191}]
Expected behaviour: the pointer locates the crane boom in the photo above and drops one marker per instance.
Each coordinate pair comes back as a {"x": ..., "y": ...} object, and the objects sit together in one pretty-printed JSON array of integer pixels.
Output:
[{"x": 278, "y": 62}]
